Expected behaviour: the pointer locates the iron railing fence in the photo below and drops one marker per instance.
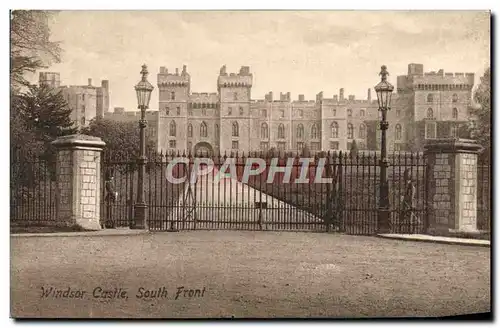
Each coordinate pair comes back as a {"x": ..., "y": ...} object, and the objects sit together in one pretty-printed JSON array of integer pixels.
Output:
[{"x": 348, "y": 203}]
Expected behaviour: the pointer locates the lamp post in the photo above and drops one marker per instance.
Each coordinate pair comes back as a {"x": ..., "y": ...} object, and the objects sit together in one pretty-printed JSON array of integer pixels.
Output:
[
  {"x": 143, "y": 90},
  {"x": 384, "y": 92}
]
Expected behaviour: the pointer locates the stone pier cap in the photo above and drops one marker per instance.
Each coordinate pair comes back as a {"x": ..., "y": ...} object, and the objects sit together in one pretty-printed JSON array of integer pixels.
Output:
[
  {"x": 81, "y": 141},
  {"x": 447, "y": 145}
]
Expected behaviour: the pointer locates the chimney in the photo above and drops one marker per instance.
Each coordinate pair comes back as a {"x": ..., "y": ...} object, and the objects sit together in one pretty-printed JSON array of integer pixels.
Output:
[
  {"x": 184, "y": 70},
  {"x": 341, "y": 94},
  {"x": 90, "y": 82},
  {"x": 335, "y": 98},
  {"x": 270, "y": 96},
  {"x": 301, "y": 97},
  {"x": 162, "y": 69},
  {"x": 176, "y": 71},
  {"x": 370, "y": 94},
  {"x": 105, "y": 84},
  {"x": 288, "y": 96}
]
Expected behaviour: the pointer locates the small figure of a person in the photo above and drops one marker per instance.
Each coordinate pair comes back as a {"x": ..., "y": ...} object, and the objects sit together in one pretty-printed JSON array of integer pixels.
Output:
[
  {"x": 408, "y": 218},
  {"x": 110, "y": 198}
]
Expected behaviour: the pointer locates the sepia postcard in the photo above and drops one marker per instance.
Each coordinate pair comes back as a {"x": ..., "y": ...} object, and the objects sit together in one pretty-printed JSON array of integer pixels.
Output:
[{"x": 250, "y": 164}]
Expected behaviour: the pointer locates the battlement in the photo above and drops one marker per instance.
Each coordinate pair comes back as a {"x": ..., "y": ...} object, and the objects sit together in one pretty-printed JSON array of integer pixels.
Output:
[
  {"x": 243, "y": 79},
  {"x": 173, "y": 79},
  {"x": 204, "y": 97}
]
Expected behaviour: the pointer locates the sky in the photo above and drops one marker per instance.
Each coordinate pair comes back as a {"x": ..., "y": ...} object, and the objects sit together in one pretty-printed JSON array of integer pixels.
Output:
[{"x": 302, "y": 52}]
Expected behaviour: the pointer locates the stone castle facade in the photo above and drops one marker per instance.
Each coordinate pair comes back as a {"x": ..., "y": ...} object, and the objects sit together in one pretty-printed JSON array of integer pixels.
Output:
[
  {"x": 425, "y": 106},
  {"x": 86, "y": 101}
]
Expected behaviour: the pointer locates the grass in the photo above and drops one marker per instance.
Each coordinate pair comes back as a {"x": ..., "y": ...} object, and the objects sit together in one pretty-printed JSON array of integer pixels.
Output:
[{"x": 250, "y": 274}]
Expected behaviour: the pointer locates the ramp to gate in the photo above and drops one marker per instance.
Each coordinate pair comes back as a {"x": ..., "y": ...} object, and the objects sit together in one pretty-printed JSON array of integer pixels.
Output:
[{"x": 231, "y": 204}]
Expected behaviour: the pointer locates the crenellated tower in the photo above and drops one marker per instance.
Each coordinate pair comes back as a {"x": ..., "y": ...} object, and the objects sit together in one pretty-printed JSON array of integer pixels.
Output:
[
  {"x": 235, "y": 94},
  {"x": 174, "y": 91}
]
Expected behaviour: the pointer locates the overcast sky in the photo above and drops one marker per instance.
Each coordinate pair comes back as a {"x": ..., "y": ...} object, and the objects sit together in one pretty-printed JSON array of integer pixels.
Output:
[{"x": 298, "y": 52}]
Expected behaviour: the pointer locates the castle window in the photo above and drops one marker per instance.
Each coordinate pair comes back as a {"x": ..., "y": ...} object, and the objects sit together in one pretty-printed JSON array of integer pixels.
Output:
[
  {"x": 453, "y": 131},
  {"x": 455, "y": 113},
  {"x": 398, "y": 131},
  {"x": 300, "y": 113},
  {"x": 235, "y": 95},
  {"x": 190, "y": 112},
  {"x": 334, "y": 112},
  {"x": 281, "y": 131},
  {"x": 172, "y": 144},
  {"x": 230, "y": 111},
  {"x": 189, "y": 146},
  {"x": 430, "y": 130},
  {"x": 430, "y": 113},
  {"x": 300, "y": 131},
  {"x": 362, "y": 131},
  {"x": 264, "y": 145},
  {"x": 315, "y": 146},
  {"x": 454, "y": 98},
  {"x": 300, "y": 145},
  {"x": 282, "y": 113},
  {"x": 334, "y": 130},
  {"x": 263, "y": 113},
  {"x": 217, "y": 132},
  {"x": 362, "y": 113},
  {"x": 430, "y": 98},
  {"x": 203, "y": 105},
  {"x": 314, "y": 132},
  {"x": 204, "y": 112},
  {"x": 350, "y": 131},
  {"x": 195, "y": 105},
  {"x": 167, "y": 111},
  {"x": 172, "y": 95},
  {"x": 190, "y": 131},
  {"x": 241, "y": 111},
  {"x": 178, "y": 111},
  {"x": 234, "y": 145},
  {"x": 236, "y": 129},
  {"x": 173, "y": 129},
  {"x": 264, "y": 131},
  {"x": 398, "y": 112},
  {"x": 334, "y": 145},
  {"x": 349, "y": 112},
  {"x": 203, "y": 130}
]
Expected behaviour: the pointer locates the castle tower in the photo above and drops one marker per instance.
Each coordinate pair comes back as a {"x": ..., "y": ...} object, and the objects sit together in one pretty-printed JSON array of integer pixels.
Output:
[
  {"x": 102, "y": 99},
  {"x": 235, "y": 94},
  {"x": 174, "y": 90}
]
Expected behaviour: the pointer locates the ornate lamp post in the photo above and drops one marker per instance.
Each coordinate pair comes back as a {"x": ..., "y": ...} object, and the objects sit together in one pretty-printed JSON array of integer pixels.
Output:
[
  {"x": 143, "y": 90},
  {"x": 384, "y": 92}
]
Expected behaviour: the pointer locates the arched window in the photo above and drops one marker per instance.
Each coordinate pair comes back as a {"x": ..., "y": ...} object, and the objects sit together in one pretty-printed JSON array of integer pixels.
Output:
[
  {"x": 455, "y": 113},
  {"x": 300, "y": 131},
  {"x": 235, "y": 95},
  {"x": 173, "y": 129},
  {"x": 430, "y": 98},
  {"x": 453, "y": 131},
  {"x": 203, "y": 130},
  {"x": 167, "y": 111},
  {"x": 454, "y": 98},
  {"x": 362, "y": 131},
  {"x": 236, "y": 129},
  {"x": 334, "y": 112},
  {"x": 350, "y": 131},
  {"x": 190, "y": 131},
  {"x": 362, "y": 113},
  {"x": 335, "y": 130},
  {"x": 217, "y": 132},
  {"x": 430, "y": 113},
  {"x": 281, "y": 131},
  {"x": 314, "y": 131},
  {"x": 398, "y": 131},
  {"x": 263, "y": 113},
  {"x": 282, "y": 113},
  {"x": 264, "y": 131},
  {"x": 300, "y": 113},
  {"x": 349, "y": 112},
  {"x": 172, "y": 95}
]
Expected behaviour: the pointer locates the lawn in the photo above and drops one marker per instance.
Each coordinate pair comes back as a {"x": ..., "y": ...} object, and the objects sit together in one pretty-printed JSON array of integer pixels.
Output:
[{"x": 249, "y": 274}]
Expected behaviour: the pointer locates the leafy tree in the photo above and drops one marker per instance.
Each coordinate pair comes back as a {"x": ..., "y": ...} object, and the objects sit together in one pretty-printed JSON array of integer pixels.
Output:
[
  {"x": 30, "y": 46},
  {"x": 481, "y": 127},
  {"x": 121, "y": 138}
]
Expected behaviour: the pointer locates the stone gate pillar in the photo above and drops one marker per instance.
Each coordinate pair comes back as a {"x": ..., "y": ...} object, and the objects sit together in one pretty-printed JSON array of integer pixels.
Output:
[
  {"x": 452, "y": 192},
  {"x": 78, "y": 169}
]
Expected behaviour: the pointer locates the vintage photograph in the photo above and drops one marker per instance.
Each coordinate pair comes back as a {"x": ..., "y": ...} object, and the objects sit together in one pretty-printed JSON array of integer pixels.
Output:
[{"x": 250, "y": 164}]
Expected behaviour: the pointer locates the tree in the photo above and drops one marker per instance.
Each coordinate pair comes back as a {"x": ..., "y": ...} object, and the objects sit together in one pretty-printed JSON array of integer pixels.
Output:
[
  {"x": 30, "y": 46},
  {"x": 121, "y": 138},
  {"x": 481, "y": 127}
]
